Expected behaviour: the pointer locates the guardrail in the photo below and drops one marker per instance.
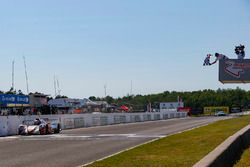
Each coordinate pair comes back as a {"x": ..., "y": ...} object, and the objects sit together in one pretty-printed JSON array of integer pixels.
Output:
[{"x": 9, "y": 124}]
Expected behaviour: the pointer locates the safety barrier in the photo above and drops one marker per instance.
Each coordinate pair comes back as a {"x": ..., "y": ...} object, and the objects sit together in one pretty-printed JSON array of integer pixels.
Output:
[
  {"x": 228, "y": 152},
  {"x": 9, "y": 124}
]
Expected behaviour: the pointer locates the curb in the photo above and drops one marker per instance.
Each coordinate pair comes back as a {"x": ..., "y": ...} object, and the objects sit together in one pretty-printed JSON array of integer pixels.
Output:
[{"x": 228, "y": 152}]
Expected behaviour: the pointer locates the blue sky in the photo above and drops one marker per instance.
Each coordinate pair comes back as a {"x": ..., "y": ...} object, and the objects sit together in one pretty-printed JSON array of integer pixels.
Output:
[{"x": 158, "y": 45}]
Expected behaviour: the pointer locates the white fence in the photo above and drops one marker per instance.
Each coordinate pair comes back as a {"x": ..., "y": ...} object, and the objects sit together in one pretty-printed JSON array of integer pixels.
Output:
[{"x": 9, "y": 124}]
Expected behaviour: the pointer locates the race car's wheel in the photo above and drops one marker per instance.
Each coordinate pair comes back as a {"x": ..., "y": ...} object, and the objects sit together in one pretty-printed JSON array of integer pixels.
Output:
[
  {"x": 43, "y": 130},
  {"x": 58, "y": 128},
  {"x": 21, "y": 131},
  {"x": 47, "y": 129}
]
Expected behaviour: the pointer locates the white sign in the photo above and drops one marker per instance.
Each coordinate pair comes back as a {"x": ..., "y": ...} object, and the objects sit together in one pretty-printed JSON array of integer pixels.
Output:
[{"x": 171, "y": 105}]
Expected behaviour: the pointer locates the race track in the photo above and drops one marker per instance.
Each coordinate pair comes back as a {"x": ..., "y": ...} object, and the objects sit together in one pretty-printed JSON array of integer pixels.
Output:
[{"x": 77, "y": 147}]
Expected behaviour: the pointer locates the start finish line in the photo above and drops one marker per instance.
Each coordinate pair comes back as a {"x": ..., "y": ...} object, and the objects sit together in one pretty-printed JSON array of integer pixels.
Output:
[{"x": 234, "y": 71}]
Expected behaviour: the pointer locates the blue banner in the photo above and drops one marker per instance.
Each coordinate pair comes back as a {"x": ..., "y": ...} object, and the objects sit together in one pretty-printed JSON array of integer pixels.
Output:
[{"x": 13, "y": 99}]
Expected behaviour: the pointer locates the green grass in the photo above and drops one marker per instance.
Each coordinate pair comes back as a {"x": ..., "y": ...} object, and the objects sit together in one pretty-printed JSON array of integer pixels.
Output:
[
  {"x": 245, "y": 159},
  {"x": 184, "y": 149}
]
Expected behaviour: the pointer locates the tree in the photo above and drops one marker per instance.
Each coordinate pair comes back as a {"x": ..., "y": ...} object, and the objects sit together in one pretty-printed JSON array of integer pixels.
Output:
[
  {"x": 20, "y": 92},
  {"x": 11, "y": 91},
  {"x": 93, "y": 98},
  {"x": 61, "y": 97},
  {"x": 109, "y": 99}
]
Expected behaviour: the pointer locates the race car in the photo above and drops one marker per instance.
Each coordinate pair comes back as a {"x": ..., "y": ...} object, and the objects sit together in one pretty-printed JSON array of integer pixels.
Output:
[{"x": 40, "y": 127}]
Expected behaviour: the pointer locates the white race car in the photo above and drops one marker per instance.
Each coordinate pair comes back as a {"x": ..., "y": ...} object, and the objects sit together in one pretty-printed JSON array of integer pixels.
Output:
[{"x": 40, "y": 127}]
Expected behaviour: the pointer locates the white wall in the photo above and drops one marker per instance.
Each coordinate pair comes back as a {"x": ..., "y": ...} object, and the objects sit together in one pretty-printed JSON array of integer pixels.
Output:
[{"x": 9, "y": 124}]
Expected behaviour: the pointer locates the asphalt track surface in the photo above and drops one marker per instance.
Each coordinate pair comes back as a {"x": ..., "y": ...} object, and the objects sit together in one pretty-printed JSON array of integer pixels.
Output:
[{"x": 77, "y": 147}]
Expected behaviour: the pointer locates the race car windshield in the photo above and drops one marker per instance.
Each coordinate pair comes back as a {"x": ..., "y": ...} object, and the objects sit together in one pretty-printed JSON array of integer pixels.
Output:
[{"x": 37, "y": 122}]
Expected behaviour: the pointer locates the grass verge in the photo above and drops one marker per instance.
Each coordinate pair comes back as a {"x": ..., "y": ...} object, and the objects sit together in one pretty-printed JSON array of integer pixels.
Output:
[
  {"x": 184, "y": 149},
  {"x": 245, "y": 159}
]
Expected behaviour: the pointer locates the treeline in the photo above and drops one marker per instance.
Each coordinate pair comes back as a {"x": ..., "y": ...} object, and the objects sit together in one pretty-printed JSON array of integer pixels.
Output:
[
  {"x": 12, "y": 91},
  {"x": 194, "y": 99}
]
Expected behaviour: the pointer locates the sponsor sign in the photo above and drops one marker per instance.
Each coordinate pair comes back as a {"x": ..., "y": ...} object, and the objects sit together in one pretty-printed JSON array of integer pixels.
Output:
[
  {"x": 212, "y": 110},
  {"x": 6, "y": 99},
  {"x": 234, "y": 71}
]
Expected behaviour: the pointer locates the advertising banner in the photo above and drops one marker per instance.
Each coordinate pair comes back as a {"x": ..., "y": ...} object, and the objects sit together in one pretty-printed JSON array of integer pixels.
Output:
[
  {"x": 234, "y": 71},
  {"x": 6, "y": 99}
]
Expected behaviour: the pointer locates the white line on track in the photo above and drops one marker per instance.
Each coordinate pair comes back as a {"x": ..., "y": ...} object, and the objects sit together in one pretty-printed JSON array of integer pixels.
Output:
[
  {"x": 9, "y": 138},
  {"x": 86, "y": 137}
]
